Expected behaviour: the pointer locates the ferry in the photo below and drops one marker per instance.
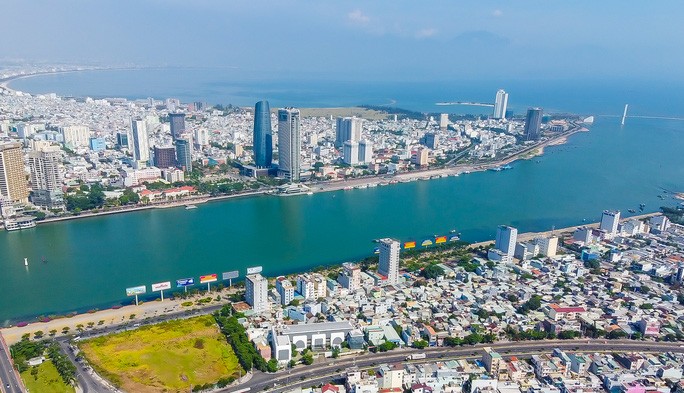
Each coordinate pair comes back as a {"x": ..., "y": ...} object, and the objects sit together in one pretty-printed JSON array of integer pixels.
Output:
[
  {"x": 20, "y": 223},
  {"x": 189, "y": 207}
]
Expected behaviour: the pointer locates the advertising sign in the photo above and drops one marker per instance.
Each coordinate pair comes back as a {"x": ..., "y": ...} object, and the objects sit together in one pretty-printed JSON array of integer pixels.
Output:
[
  {"x": 136, "y": 290},
  {"x": 184, "y": 282},
  {"x": 254, "y": 270},
  {"x": 208, "y": 278},
  {"x": 231, "y": 275},
  {"x": 161, "y": 286}
]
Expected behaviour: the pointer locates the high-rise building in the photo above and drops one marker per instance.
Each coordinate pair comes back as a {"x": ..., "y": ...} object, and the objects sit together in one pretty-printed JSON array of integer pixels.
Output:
[
  {"x": 13, "y": 184},
  {"x": 201, "y": 137},
  {"x": 348, "y": 129},
  {"x": 75, "y": 136},
  {"x": 506, "y": 237},
  {"x": 122, "y": 139},
  {"x": 98, "y": 144},
  {"x": 177, "y": 124},
  {"x": 285, "y": 290},
  {"x": 421, "y": 157},
  {"x": 388, "y": 264},
  {"x": 350, "y": 276},
  {"x": 431, "y": 140},
  {"x": 141, "y": 144},
  {"x": 263, "y": 137},
  {"x": 443, "y": 121},
  {"x": 289, "y": 143},
  {"x": 533, "y": 124},
  {"x": 500, "y": 104},
  {"x": 366, "y": 152},
  {"x": 548, "y": 246},
  {"x": 351, "y": 153},
  {"x": 256, "y": 292},
  {"x": 184, "y": 154},
  {"x": 164, "y": 157},
  {"x": 46, "y": 177},
  {"x": 609, "y": 222}
]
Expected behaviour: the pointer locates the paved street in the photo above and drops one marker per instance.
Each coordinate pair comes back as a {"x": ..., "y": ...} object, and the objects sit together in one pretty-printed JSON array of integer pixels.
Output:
[{"x": 8, "y": 376}]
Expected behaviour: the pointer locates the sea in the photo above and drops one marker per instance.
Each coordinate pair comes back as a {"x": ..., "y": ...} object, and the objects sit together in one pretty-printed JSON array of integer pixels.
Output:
[{"x": 87, "y": 264}]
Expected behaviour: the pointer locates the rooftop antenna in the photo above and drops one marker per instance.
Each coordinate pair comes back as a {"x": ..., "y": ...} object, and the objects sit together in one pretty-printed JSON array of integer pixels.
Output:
[{"x": 624, "y": 115}]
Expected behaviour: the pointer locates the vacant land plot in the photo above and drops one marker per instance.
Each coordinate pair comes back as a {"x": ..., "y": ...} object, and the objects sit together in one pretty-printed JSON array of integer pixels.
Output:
[
  {"x": 45, "y": 379},
  {"x": 168, "y": 357}
]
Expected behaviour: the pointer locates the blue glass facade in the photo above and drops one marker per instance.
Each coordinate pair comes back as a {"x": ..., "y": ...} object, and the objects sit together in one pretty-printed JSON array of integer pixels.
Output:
[{"x": 263, "y": 137}]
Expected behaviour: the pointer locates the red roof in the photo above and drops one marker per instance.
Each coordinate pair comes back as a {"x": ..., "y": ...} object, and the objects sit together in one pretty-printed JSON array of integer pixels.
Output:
[{"x": 329, "y": 387}]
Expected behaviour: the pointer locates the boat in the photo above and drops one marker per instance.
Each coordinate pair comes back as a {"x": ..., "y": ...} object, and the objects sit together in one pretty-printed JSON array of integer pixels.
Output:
[
  {"x": 25, "y": 261},
  {"x": 43, "y": 259},
  {"x": 507, "y": 167},
  {"x": 190, "y": 207},
  {"x": 20, "y": 223},
  {"x": 309, "y": 193},
  {"x": 631, "y": 210}
]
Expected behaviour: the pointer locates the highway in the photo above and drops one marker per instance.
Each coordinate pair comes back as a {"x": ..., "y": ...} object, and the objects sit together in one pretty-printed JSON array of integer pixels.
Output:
[
  {"x": 327, "y": 369},
  {"x": 8, "y": 376}
]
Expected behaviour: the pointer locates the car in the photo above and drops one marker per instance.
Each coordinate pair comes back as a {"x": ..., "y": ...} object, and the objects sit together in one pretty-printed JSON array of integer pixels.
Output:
[{"x": 7, "y": 386}]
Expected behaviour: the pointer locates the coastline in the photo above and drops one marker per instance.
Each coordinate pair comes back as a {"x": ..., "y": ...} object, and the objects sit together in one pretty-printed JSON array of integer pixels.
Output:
[
  {"x": 337, "y": 185},
  {"x": 121, "y": 315}
]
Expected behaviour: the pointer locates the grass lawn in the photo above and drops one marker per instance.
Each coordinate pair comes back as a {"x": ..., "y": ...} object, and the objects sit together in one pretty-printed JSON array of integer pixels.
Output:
[
  {"x": 168, "y": 357},
  {"x": 47, "y": 380}
]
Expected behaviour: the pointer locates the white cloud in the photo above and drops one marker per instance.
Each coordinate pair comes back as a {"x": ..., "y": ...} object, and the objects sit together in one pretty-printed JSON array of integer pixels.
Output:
[
  {"x": 425, "y": 33},
  {"x": 359, "y": 17},
  {"x": 497, "y": 13}
]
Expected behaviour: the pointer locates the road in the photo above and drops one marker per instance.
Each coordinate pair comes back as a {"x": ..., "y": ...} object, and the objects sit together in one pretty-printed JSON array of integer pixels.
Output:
[
  {"x": 328, "y": 369},
  {"x": 8, "y": 375}
]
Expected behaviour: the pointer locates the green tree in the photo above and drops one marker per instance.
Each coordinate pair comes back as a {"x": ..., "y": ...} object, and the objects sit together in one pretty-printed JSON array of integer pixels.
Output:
[
  {"x": 420, "y": 344},
  {"x": 308, "y": 359},
  {"x": 272, "y": 366},
  {"x": 432, "y": 271}
]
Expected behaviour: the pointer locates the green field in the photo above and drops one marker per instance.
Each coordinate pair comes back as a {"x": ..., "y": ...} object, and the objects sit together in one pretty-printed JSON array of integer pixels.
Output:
[
  {"x": 169, "y": 357},
  {"x": 47, "y": 380}
]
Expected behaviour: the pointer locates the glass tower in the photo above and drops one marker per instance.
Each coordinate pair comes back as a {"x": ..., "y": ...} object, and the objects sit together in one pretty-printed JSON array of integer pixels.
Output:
[{"x": 263, "y": 142}]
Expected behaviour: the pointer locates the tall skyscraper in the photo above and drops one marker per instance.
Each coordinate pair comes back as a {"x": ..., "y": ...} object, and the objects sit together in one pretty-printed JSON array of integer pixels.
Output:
[
  {"x": 164, "y": 157},
  {"x": 263, "y": 137},
  {"x": 13, "y": 184},
  {"x": 506, "y": 237},
  {"x": 256, "y": 292},
  {"x": 141, "y": 144},
  {"x": 443, "y": 121},
  {"x": 500, "y": 104},
  {"x": 388, "y": 264},
  {"x": 46, "y": 177},
  {"x": 122, "y": 139},
  {"x": 184, "y": 154},
  {"x": 348, "y": 129},
  {"x": 351, "y": 153},
  {"x": 289, "y": 143},
  {"x": 177, "y": 124},
  {"x": 609, "y": 222},
  {"x": 533, "y": 124}
]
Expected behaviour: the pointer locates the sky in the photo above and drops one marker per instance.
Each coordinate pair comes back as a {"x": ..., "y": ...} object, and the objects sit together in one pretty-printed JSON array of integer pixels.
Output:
[{"x": 359, "y": 40}]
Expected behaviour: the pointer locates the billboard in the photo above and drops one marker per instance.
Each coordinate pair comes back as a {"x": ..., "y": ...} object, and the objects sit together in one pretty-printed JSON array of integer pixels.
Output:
[
  {"x": 408, "y": 245},
  {"x": 160, "y": 286},
  {"x": 184, "y": 282},
  {"x": 426, "y": 243},
  {"x": 254, "y": 270},
  {"x": 208, "y": 278},
  {"x": 230, "y": 275},
  {"x": 136, "y": 290}
]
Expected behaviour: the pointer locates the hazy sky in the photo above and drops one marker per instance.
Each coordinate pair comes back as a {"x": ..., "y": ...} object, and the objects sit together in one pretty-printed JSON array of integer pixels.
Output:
[{"x": 419, "y": 39}]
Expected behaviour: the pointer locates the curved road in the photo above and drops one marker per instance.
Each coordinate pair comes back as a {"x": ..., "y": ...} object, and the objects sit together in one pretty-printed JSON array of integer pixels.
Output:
[{"x": 329, "y": 369}]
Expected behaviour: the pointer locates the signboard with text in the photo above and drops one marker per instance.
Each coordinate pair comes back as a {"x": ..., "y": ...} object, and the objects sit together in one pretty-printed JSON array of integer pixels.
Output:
[
  {"x": 185, "y": 282},
  {"x": 231, "y": 275},
  {"x": 161, "y": 286}
]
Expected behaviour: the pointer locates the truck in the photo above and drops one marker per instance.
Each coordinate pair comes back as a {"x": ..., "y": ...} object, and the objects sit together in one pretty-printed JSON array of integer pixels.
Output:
[{"x": 416, "y": 356}]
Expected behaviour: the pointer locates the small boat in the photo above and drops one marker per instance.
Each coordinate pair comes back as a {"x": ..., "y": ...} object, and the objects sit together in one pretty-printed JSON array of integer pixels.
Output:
[
  {"x": 309, "y": 193},
  {"x": 631, "y": 210},
  {"x": 190, "y": 207},
  {"x": 25, "y": 261},
  {"x": 43, "y": 259}
]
